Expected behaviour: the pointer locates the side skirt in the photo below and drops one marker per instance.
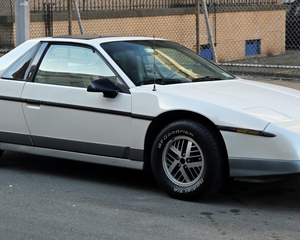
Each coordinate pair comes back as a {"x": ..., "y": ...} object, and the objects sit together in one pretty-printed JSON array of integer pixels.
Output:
[{"x": 111, "y": 161}]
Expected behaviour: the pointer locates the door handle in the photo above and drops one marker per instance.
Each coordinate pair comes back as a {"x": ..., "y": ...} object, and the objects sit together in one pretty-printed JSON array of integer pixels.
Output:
[
  {"x": 33, "y": 103},
  {"x": 37, "y": 102}
]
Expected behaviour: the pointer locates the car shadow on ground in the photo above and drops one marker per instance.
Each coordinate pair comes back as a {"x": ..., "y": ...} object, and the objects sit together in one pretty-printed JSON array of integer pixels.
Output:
[
  {"x": 283, "y": 194},
  {"x": 81, "y": 171}
]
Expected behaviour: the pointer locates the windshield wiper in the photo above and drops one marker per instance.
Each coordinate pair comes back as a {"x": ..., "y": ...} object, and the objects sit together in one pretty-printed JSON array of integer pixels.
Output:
[
  {"x": 159, "y": 81},
  {"x": 207, "y": 78}
]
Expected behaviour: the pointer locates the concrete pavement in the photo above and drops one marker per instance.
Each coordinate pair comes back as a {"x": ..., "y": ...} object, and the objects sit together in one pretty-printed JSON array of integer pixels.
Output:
[{"x": 269, "y": 66}]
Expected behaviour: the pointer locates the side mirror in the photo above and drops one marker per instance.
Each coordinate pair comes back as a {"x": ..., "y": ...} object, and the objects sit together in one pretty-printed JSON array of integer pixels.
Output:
[{"x": 104, "y": 85}]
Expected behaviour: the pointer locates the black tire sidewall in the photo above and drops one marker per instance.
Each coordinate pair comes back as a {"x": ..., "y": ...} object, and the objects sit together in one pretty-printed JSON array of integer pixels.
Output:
[{"x": 205, "y": 141}]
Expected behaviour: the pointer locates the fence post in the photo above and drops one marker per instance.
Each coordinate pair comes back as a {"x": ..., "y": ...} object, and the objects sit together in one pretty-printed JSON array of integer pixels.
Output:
[
  {"x": 210, "y": 37},
  {"x": 197, "y": 26},
  {"x": 70, "y": 8},
  {"x": 78, "y": 16},
  {"x": 48, "y": 18},
  {"x": 22, "y": 21}
]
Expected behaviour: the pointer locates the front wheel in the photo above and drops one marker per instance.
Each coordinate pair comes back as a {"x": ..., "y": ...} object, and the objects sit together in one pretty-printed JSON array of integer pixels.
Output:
[{"x": 187, "y": 160}]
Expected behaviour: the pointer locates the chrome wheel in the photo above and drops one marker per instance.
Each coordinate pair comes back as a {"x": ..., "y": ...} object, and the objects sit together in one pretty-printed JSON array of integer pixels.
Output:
[
  {"x": 188, "y": 160},
  {"x": 183, "y": 161}
]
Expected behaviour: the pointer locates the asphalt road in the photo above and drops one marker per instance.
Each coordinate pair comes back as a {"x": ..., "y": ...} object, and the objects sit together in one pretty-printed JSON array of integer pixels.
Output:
[{"x": 50, "y": 198}]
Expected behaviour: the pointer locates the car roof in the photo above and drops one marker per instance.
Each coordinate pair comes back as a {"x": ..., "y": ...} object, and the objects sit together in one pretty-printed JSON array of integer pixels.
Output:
[
  {"x": 92, "y": 39},
  {"x": 87, "y": 36}
]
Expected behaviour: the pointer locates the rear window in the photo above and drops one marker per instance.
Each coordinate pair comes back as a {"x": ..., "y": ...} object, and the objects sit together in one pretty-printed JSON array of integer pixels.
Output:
[{"x": 14, "y": 55}]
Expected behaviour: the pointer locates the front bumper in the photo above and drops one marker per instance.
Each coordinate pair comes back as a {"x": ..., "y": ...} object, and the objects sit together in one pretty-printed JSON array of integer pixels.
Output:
[{"x": 245, "y": 167}]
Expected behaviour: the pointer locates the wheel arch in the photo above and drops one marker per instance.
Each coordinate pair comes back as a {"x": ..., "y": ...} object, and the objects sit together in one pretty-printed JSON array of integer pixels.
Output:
[{"x": 159, "y": 122}]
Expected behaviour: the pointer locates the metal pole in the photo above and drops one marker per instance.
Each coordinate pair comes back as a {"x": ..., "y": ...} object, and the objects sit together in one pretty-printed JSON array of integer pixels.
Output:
[
  {"x": 197, "y": 27},
  {"x": 210, "y": 37},
  {"x": 22, "y": 21},
  {"x": 70, "y": 8},
  {"x": 78, "y": 16}
]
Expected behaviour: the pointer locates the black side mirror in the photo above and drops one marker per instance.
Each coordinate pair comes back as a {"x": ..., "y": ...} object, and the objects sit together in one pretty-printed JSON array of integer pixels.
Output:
[{"x": 104, "y": 85}]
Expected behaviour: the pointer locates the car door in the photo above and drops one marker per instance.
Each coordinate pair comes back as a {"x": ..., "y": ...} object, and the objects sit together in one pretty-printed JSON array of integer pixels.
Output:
[
  {"x": 61, "y": 114},
  {"x": 13, "y": 128}
]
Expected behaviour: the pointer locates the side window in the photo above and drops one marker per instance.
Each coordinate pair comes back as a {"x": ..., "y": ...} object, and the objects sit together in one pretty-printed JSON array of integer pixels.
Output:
[
  {"x": 72, "y": 66},
  {"x": 18, "y": 69}
]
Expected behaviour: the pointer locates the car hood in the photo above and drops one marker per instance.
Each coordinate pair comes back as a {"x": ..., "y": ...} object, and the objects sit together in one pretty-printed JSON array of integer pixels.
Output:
[
  {"x": 236, "y": 102},
  {"x": 273, "y": 97},
  {"x": 248, "y": 96}
]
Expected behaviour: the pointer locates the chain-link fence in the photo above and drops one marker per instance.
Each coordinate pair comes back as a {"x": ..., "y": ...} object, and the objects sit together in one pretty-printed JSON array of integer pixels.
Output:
[
  {"x": 248, "y": 36},
  {"x": 7, "y": 11},
  {"x": 258, "y": 39},
  {"x": 171, "y": 19}
]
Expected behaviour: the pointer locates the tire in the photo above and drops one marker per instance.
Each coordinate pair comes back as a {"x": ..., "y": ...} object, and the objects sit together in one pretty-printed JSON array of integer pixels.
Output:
[{"x": 187, "y": 160}]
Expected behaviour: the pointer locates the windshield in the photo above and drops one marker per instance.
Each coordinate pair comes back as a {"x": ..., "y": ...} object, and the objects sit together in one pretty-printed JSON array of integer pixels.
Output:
[{"x": 162, "y": 62}]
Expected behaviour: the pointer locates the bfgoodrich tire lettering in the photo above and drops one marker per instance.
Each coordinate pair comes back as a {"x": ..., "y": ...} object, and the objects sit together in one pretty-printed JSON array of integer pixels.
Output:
[{"x": 187, "y": 161}]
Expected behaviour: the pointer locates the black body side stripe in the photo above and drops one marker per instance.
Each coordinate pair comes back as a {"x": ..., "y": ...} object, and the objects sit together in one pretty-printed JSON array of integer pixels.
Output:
[
  {"x": 83, "y": 108},
  {"x": 16, "y": 138},
  {"x": 91, "y": 109},
  {"x": 73, "y": 146},
  {"x": 89, "y": 148},
  {"x": 132, "y": 115},
  {"x": 141, "y": 117},
  {"x": 10, "y": 99}
]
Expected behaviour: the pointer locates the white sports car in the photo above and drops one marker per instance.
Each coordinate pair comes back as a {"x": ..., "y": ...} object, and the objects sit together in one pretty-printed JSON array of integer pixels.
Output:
[{"x": 148, "y": 104}]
